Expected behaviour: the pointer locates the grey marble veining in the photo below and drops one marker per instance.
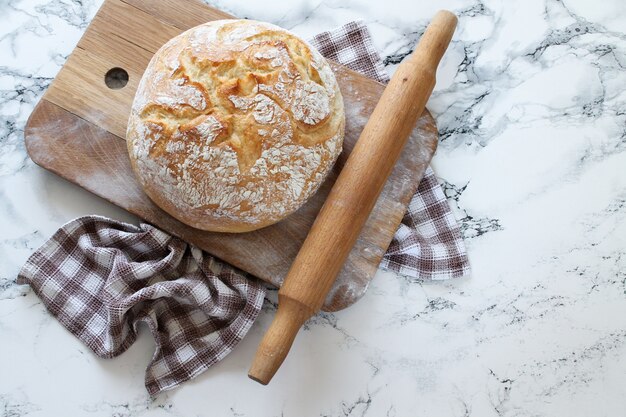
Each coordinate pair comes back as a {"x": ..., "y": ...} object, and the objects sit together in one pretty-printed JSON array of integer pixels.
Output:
[{"x": 531, "y": 109}]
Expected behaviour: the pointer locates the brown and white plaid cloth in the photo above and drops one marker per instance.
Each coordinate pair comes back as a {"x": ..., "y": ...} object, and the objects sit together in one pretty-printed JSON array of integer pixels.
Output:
[{"x": 100, "y": 278}]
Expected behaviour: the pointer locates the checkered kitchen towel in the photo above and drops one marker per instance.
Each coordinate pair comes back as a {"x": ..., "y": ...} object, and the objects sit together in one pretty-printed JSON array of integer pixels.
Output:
[{"x": 100, "y": 278}]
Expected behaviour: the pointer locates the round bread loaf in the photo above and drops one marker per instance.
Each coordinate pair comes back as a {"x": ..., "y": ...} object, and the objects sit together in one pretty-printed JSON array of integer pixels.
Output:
[{"x": 235, "y": 124}]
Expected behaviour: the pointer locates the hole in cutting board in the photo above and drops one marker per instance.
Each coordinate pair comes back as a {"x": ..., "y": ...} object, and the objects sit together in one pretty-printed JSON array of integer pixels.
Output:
[{"x": 116, "y": 78}]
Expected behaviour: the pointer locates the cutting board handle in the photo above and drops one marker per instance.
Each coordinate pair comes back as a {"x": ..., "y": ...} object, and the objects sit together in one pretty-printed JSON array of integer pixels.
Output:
[{"x": 353, "y": 196}]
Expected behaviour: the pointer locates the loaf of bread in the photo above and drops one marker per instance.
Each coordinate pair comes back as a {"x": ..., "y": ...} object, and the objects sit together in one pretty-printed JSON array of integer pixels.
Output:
[{"x": 235, "y": 124}]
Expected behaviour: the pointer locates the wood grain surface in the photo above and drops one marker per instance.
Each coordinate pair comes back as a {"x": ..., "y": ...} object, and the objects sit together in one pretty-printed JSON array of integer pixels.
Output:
[{"x": 78, "y": 129}]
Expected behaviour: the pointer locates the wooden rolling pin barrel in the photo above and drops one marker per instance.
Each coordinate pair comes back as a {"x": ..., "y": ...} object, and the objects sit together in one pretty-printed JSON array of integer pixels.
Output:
[{"x": 353, "y": 196}]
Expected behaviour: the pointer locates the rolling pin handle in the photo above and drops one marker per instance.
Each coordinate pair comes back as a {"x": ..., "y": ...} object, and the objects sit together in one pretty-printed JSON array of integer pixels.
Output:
[
  {"x": 434, "y": 41},
  {"x": 276, "y": 343}
]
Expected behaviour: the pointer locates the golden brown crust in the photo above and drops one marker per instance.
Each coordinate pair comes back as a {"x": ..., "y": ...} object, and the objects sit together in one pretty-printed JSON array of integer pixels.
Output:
[{"x": 234, "y": 126}]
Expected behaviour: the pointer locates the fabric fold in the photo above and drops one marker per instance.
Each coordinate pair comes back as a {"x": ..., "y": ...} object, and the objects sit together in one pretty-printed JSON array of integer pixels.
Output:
[{"x": 100, "y": 278}]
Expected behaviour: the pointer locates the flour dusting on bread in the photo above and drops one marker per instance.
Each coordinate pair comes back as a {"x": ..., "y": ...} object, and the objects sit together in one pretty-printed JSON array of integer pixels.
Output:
[{"x": 235, "y": 124}]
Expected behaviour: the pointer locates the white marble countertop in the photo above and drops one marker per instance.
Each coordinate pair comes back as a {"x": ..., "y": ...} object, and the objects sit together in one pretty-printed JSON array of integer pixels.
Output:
[{"x": 531, "y": 109}]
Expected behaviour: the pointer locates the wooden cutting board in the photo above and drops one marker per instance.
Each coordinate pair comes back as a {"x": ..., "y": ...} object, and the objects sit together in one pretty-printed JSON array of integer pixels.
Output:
[{"x": 78, "y": 128}]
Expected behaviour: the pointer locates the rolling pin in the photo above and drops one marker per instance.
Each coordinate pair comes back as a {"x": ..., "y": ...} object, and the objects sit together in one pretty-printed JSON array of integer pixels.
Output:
[{"x": 353, "y": 196}]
